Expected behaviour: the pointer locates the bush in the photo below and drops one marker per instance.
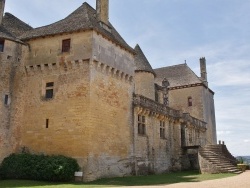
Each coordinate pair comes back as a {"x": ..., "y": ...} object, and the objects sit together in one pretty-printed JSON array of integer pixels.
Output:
[{"x": 38, "y": 167}]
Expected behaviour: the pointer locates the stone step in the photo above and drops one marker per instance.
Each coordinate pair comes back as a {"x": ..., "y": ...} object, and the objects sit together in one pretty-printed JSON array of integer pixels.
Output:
[
  {"x": 224, "y": 164},
  {"x": 220, "y": 158}
]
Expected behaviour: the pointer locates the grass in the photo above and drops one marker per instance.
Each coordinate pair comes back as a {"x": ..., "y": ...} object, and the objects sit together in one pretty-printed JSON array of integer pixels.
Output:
[{"x": 170, "y": 178}]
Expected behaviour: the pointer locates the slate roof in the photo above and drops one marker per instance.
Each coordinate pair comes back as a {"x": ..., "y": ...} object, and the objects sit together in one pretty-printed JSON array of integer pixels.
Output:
[
  {"x": 12, "y": 27},
  {"x": 177, "y": 75},
  {"x": 141, "y": 62},
  {"x": 83, "y": 18}
]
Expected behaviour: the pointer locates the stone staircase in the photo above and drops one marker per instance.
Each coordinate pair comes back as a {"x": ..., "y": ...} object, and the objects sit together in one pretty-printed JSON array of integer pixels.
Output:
[{"x": 217, "y": 159}]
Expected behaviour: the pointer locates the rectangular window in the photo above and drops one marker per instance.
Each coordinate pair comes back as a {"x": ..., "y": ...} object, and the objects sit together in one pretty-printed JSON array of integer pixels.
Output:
[
  {"x": 49, "y": 90},
  {"x": 162, "y": 129},
  {"x": 1, "y": 45},
  {"x": 141, "y": 125},
  {"x": 6, "y": 99},
  {"x": 66, "y": 45},
  {"x": 47, "y": 123},
  {"x": 190, "y": 101}
]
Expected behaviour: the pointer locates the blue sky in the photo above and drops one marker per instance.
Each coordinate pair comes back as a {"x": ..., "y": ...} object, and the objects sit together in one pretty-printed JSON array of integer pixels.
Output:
[{"x": 172, "y": 31}]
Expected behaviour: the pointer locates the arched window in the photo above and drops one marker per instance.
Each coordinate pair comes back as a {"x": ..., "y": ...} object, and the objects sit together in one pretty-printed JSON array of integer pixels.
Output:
[{"x": 190, "y": 101}]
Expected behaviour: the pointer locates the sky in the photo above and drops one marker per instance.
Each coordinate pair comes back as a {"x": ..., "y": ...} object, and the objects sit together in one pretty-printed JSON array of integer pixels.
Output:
[{"x": 172, "y": 31}]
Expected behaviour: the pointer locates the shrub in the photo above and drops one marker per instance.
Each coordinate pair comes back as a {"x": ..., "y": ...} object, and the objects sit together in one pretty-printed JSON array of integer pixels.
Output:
[{"x": 38, "y": 167}]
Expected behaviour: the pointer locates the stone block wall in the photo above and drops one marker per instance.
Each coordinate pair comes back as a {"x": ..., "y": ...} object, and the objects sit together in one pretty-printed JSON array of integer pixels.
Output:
[
  {"x": 10, "y": 61},
  {"x": 144, "y": 84},
  {"x": 154, "y": 154},
  {"x": 178, "y": 99},
  {"x": 209, "y": 115}
]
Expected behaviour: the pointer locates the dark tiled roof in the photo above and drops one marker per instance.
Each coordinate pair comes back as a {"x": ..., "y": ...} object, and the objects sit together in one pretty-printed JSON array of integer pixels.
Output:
[
  {"x": 141, "y": 62},
  {"x": 84, "y": 18},
  {"x": 177, "y": 75},
  {"x": 12, "y": 27}
]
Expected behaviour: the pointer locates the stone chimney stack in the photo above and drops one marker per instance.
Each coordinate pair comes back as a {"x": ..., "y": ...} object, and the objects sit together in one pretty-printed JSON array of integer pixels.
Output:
[
  {"x": 2, "y": 4},
  {"x": 203, "y": 70},
  {"x": 102, "y": 9}
]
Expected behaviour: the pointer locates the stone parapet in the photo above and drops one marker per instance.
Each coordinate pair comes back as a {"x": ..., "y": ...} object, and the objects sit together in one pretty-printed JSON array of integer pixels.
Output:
[{"x": 162, "y": 109}]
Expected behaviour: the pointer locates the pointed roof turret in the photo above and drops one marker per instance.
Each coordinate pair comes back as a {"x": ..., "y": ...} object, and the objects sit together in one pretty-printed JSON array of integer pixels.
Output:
[{"x": 141, "y": 61}]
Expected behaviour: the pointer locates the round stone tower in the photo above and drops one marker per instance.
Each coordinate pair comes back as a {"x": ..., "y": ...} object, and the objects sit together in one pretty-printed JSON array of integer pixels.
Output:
[{"x": 144, "y": 75}]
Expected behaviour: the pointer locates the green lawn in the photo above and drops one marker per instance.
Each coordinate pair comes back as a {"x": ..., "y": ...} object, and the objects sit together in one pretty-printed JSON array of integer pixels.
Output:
[{"x": 188, "y": 176}]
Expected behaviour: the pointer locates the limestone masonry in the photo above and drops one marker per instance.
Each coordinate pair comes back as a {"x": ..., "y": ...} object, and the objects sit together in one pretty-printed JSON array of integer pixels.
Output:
[{"x": 76, "y": 88}]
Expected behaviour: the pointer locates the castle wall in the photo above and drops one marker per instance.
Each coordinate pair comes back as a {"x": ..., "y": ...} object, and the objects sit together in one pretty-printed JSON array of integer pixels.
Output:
[
  {"x": 144, "y": 84},
  {"x": 209, "y": 115},
  {"x": 178, "y": 99},
  {"x": 9, "y": 62},
  {"x": 153, "y": 153},
  {"x": 110, "y": 54},
  {"x": 202, "y": 107},
  {"x": 48, "y": 50},
  {"x": 66, "y": 113},
  {"x": 111, "y": 89},
  {"x": 58, "y": 125}
]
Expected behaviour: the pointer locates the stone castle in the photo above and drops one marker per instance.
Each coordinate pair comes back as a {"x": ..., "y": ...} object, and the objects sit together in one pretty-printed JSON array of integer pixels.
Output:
[{"x": 76, "y": 88}]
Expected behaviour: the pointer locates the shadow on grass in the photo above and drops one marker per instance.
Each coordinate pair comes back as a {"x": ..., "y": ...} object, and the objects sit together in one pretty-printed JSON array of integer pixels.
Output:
[{"x": 170, "y": 178}]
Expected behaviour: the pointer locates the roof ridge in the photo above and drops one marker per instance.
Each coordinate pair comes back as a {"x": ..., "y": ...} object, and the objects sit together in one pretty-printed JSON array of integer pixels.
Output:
[{"x": 172, "y": 66}]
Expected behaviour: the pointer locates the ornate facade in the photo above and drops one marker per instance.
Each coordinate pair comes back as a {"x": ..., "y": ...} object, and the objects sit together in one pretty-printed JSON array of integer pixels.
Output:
[{"x": 76, "y": 88}]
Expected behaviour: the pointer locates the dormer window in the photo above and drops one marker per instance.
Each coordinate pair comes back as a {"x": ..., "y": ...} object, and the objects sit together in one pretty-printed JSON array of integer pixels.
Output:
[
  {"x": 2, "y": 45},
  {"x": 66, "y": 45},
  {"x": 190, "y": 101}
]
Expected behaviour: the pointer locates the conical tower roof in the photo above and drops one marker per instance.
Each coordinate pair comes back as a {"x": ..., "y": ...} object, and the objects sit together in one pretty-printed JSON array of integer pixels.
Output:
[{"x": 141, "y": 61}]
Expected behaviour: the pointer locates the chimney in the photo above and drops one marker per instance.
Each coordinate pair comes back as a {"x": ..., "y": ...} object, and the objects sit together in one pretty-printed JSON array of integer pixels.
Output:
[
  {"x": 203, "y": 70},
  {"x": 2, "y": 4},
  {"x": 102, "y": 9}
]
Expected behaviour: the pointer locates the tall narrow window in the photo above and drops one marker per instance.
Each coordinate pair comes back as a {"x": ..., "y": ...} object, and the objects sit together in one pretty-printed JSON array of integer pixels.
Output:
[
  {"x": 49, "y": 90},
  {"x": 162, "y": 129},
  {"x": 6, "y": 99},
  {"x": 47, "y": 123},
  {"x": 141, "y": 125},
  {"x": 190, "y": 101},
  {"x": 1, "y": 45},
  {"x": 66, "y": 45}
]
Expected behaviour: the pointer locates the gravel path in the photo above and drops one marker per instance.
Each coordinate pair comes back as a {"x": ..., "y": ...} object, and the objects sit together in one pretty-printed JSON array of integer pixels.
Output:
[{"x": 239, "y": 181}]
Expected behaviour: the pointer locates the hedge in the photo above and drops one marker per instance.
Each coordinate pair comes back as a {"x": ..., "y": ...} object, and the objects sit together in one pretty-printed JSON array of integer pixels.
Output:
[{"x": 38, "y": 167}]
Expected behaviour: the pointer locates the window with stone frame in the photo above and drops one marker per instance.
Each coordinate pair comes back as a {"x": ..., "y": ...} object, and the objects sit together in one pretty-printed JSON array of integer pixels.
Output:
[
  {"x": 190, "y": 101},
  {"x": 141, "y": 125},
  {"x": 162, "y": 129},
  {"x": 66, "y": 45},
  {"x": 2, "y": 45},
  {"x": 49, "y": 90}
]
